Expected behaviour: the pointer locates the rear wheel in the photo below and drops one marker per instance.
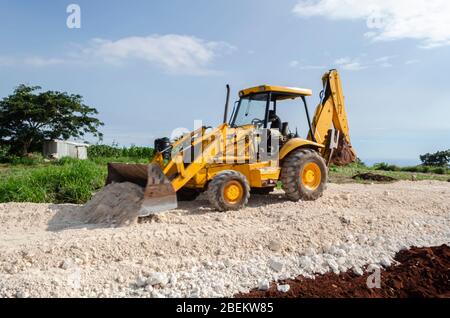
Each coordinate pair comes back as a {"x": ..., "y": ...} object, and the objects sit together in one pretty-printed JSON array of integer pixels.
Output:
[
  {"x": 186, "y": 194},
  {"x": 228, "y": 190},
  {"x": 304, "y": 175}
]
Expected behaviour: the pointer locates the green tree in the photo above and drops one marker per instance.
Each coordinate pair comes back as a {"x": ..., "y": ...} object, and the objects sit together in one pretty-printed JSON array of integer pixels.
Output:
[
  {"x": 28, "y": 117},
  {"x": 437, "y": 159}
]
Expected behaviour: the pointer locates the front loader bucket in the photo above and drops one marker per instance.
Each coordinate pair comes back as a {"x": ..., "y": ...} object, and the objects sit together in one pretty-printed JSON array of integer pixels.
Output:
[{"x": 159, "y": 194}]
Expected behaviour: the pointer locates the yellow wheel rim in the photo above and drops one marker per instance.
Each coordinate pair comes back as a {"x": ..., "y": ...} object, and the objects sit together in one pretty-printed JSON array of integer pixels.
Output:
[
  {"x": 233, "y": 192},
  {"x": 311, "y": 176}
]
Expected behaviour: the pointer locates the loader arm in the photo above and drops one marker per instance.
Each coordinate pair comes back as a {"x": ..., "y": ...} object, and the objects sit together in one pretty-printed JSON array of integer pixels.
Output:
[
  {"x": 211, "y": 145},
  {"x": 330, "y": 124}
]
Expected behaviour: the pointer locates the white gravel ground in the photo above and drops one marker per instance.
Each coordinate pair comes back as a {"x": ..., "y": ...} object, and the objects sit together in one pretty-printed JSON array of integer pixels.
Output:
[{"x": 45, "y": 251}]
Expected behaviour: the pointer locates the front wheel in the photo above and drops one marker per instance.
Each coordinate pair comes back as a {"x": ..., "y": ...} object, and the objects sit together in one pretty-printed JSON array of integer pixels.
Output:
[
  {"x": 228, "y": 190},
  {"x": 304, "y": 175}
]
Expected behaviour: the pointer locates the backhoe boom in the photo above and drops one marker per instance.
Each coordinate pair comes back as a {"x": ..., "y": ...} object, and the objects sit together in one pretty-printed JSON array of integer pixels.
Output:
[{"x": 330, "y": 122}]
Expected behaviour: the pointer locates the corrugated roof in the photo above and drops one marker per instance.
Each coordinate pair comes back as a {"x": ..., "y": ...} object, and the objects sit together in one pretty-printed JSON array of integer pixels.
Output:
[{"x": 69, "y": 142}]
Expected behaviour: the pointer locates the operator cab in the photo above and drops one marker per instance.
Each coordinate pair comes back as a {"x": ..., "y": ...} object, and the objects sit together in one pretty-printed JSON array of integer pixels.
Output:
[{"x": 258, "y": 106}]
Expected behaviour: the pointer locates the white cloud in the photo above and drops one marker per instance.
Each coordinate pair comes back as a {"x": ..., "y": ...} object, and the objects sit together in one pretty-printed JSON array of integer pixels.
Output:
[
  {"x": 30, "y": 61},
  {"x": 386, "y": 64},
  {"x": 294, "y": 63},
  {"x": 301, "y": 66},
  {"x": 6, "y": 61},
  {"x": 384, "y": 59},
  {"x": 174, "y": 53},
  {"x": 424, "y": 20},
  {"x": 39, "y": 61},
  {"x": 361, "y": 63},
  {"x": 349, "y": 64},
  {"x": 414, "y": 61},
  {"x": 311, "y": 67}
]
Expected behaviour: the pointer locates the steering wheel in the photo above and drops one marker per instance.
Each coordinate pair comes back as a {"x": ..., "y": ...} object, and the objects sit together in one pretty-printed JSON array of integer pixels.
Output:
[{"x": 257, "y": 122}]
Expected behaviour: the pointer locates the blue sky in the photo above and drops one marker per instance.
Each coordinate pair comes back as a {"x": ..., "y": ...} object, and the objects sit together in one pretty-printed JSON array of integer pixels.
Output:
[{"x": 152, "y": 66}]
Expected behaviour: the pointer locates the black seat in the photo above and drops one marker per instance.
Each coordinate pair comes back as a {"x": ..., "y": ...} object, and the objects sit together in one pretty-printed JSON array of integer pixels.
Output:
[
  {"x": 275, "y": 121},
  {"x": 285, "y": 129}
]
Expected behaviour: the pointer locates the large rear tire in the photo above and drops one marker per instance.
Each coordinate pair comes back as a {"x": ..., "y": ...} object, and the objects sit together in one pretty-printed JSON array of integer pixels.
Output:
[
  {"x": 228, "y": 190},
  {"x": 304, "y": 175}
]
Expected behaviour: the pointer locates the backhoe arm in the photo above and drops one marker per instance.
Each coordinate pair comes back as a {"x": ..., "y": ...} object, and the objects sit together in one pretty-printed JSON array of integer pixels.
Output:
[
  {"x": 211, "y": 145},
  {"x": 330, "y": 124}
]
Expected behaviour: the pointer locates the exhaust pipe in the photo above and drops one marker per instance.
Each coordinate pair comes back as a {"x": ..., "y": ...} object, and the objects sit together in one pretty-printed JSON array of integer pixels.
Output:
[{"x": 225, "y": 116}]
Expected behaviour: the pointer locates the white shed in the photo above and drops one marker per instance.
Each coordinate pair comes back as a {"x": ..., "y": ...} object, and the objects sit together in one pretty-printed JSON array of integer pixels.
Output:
[{"x": 60, "y": 148}]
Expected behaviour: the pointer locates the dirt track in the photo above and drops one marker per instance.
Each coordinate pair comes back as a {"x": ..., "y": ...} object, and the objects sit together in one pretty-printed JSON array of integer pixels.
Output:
[{"x": 46, "y": 251}]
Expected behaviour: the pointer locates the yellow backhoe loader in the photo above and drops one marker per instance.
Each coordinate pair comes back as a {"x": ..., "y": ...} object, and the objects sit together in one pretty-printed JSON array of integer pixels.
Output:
[{"x": 251, "y": 152}]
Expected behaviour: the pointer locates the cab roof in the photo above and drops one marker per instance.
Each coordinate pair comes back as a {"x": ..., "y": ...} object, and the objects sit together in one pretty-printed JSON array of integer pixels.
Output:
[{"x": 282, "y": 92}]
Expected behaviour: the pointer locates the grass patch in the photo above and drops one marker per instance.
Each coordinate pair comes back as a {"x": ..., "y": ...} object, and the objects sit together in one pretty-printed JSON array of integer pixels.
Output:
[
  {"x": 72, "y": 182},
  {"x": 416, "y": 169},
  {"x": 67, "y": 180},
  {"x": 345, "y": 174}
]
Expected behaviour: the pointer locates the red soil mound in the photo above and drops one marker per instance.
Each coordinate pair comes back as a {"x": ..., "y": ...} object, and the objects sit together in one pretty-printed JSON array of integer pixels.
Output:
[{"x": 421, "y": 272}]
